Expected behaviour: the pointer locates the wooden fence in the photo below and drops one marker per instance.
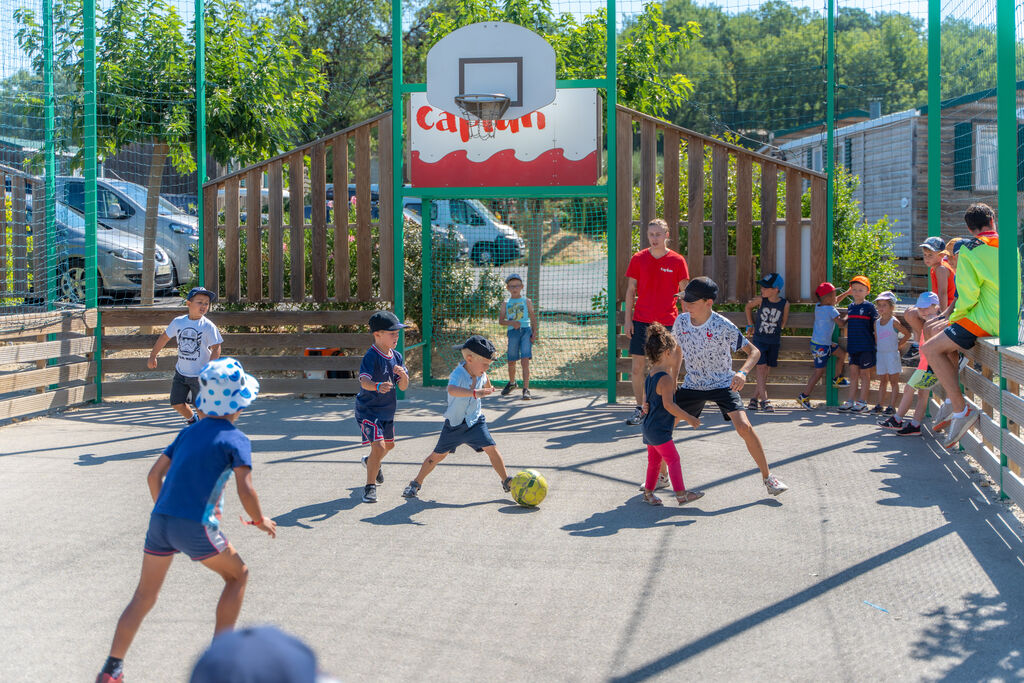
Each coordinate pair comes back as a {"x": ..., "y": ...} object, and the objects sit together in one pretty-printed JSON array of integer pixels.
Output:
[
  {"x": 792, "y": 246},
  {"x": 47, "y": 362},
  {"x": 285, "y": 221},
  {"x": 23, "y": 235},
  {"x": 992, "y": 436},
  {"x": 270, "y": 345}
]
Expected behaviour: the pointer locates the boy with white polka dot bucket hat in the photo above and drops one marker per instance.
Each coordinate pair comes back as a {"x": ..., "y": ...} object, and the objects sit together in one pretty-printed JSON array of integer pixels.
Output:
[{"x": 225, "y": 388}]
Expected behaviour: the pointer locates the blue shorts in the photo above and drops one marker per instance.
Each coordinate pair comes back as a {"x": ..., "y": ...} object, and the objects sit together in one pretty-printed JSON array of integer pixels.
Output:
[
  {"x": 375, "y": 429},
  {"x": 964, "y": 339},
  {"x": 168, "y": 535},
  {"x": 821, "y": 353},
  {"x": 769, "y": 353},
  {"x": 520, "y": 343},
  {"x": 638, "y": 341},
  {"x": 862, "y": 359},
  {"x": 476, "y": 437}
]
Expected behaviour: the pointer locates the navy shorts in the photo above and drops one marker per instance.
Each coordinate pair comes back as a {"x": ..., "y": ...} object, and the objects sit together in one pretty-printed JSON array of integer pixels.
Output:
[
  {"x": 862, "y": 359},
  {"x": 769, "y": 353},
  {"x": 693, "y": 400},
  {"x": 476, "y": 437},
  {"x": 168, "y": 535},
  {"x": 375, "y": 429},
  {"x": 639, "y": 339},
  {"x": 821, "y": 353},
  {"x": 960, "y": 335},
  {"x": 184, "y": 389},
  {"x": 520, "y": 343}
]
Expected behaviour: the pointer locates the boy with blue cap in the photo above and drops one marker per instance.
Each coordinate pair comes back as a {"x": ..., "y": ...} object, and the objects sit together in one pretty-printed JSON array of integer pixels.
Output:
[
  {"x": 187, "y": 484},
  {"x": 766, "y": 333}
]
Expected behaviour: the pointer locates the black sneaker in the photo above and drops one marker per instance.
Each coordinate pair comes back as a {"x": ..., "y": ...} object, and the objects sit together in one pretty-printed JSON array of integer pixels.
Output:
[
  {"x": 369, "y": 493},
  {"x": 753, "y": 405},
  {"x": 508, "y": 388},
  {"x": 891, "y": 423},
  {"x": 909, "y": 429},
  {"x": 380, "y": 470},
  {"x": 637, "y": 417},
  {"x": 411, "y": 490},
  {"x": 889, "y": 410},
  {"x": 507, "y": 484},
  {"x": 878, "y": 410},
  {"x": 526, "y": 395}
]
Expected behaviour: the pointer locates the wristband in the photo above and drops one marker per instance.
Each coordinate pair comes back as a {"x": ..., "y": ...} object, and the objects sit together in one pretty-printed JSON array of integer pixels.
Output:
[
  {"x": 377, "y": 388},
  {"x": 251, "y": 523},
  {"x": 474, "y": 393},
  {"x": 741, "y": 372}
]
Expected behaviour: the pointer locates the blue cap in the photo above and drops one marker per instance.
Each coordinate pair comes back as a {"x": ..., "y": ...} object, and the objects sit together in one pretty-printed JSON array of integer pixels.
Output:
[
  {"x": 771, "y": 280},
  {"x": 385, "y": 321},
  {"x": 933, "y": 243},
  {"x": 258, "y": 655},
  {"x": 927, "y": 299},
  {"x": 202, "y": 290}
]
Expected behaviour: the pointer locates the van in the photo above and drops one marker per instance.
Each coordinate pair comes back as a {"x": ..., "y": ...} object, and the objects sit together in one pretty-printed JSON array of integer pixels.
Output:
[{"x": 490, "y": 241}]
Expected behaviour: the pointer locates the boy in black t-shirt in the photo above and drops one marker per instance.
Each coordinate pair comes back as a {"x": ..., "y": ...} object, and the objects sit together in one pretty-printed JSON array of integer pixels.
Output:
[
  {"x": 860, "y": 343},
  {"x": 772, "y": 315}
]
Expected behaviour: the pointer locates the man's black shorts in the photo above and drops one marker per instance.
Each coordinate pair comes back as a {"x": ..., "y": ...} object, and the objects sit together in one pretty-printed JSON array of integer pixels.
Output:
[
  {"x": 959, "y": 334},
  {"x": 693, "y": 400},
  {"x": 182, "y": 387},
  {"x": 639, "y": 339}
]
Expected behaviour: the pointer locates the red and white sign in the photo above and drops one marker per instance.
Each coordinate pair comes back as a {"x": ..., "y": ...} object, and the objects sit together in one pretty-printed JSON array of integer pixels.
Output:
[{"x": 555, "y": 145}]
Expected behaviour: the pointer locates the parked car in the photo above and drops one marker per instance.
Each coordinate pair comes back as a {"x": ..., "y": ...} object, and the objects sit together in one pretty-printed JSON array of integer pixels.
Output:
[
  {"x": 122, "y": 205},
  {"x": 374, "y": 200},
  {"x": 118, "y": 260},
  {"x": 440, "y": 234},
  {"x": 491, "y": 242}
]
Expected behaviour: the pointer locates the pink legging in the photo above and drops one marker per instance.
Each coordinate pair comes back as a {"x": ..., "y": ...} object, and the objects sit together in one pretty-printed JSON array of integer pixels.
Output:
[{"x": 667, "y": 452}]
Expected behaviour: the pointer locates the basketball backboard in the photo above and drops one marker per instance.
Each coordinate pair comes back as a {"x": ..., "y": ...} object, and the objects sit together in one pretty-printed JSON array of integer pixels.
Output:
[{"x": 492, "y": 57}]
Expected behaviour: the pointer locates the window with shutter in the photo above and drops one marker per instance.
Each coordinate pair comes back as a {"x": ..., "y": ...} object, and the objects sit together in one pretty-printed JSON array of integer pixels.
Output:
[{"x": 963, "y": 141}]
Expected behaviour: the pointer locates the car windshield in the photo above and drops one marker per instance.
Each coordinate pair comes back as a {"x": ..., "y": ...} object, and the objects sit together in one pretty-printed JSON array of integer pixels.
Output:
[
  {"x": 70, "y": 217},
  {"x": 481, "y": 209},
  {"x": 138, "y": 194}
]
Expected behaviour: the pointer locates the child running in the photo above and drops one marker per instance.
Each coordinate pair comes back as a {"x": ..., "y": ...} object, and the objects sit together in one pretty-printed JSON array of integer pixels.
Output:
[
  {"x": 380, "y": 372},
  {"x": 826, "y": 318},
  {"x": 922, "y": 380},
  {"x": 519, "y": 315},
  {"x": 662, "y": 415},
  {"x": 708, "y": 340},
  {"x": 187, "y": 484},
  {"x": 860, "y": 343},
  {"x": 464, "y": 421},
  {"x": 892, "y": 337},
  {"x": 772, "y": 315},
  {"x": 198, "y": 342}
]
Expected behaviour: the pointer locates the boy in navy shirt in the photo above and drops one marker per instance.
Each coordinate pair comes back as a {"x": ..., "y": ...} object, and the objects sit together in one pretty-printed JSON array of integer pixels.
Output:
[
  {"x": 860, "y": 343},
  {"x": 187, "y": 485},
  {"x": 381, "y": 371}
]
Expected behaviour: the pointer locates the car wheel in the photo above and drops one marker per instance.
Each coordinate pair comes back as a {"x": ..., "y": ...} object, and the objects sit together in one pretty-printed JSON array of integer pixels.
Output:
[
  {"x": 483, "y": 253},
  {"x": 71, "y": 281}
]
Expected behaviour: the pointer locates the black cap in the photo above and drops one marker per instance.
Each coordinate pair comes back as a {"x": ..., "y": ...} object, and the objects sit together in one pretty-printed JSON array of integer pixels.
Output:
[
  {"x": 202, "y": 290},
  {"x": 385, "y": 321},
  {"x": 700, "y": 288},
  {"x": 480, "y": 346}
]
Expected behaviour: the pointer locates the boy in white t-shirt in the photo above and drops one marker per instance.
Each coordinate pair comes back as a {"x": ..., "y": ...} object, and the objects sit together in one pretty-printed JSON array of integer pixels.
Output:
[{"x": 199, "y": 342}]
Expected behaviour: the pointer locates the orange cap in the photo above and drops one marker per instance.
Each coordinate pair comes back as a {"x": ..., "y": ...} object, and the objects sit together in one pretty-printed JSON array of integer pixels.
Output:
[{"x": 862, "y": 279}]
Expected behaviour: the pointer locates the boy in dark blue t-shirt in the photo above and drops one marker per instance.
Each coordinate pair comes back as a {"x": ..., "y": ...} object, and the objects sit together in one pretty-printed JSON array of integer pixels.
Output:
[
  {"x": 382, "y": 369},
  {"x": 860, "y": 343},
  {"x": 187, "y": 485}
]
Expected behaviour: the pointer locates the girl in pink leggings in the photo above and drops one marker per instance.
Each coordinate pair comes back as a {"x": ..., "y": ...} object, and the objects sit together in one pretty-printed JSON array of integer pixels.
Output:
[{"x": 662, "y": 415}]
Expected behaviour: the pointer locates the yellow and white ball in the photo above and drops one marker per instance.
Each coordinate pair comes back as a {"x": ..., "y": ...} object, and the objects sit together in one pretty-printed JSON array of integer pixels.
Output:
[{"x": 529, "y": 488}]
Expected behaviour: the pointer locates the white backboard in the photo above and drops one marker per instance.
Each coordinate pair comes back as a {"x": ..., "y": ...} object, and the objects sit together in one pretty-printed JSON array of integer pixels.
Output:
[{"x": 492, "y": 57}]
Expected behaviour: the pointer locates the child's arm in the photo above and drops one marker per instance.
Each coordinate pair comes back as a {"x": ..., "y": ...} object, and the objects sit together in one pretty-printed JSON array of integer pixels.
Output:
[
  {"x": 466, "y": 392},
  {"x": 534, "y": 334},
  {"x": 403, "y": 377},
  {"x": 842, "y": 295},
  {"x": 747, "y": 310},
  {"x": 739, "y": 378},
  {"x": 903, "y": 332},
  {"x": 161, "y": 342},
  {"x": 155, "y": 478},
  {"x": 214, "y": 351},
  {"x": 666, "y": 389},
  {"x": 785, "y": 315},
  {"x": 251, "y": 502},
  {"x": 502, "y": 320},
  {"x": 380, "y": 387}
]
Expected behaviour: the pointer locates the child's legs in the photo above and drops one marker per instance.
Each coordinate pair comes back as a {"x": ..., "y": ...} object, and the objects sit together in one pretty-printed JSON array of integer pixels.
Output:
[
  {"x": 654, "y": 463},
  {"x": 813, "y": 380},
  {"x": 865, "y": 383},
  {"x": 154, "y": 570},
  {"x": 496, "y": 462},
  {"x": 669, "y": 456},
  {"x": 840, "y": 356},
  {"x": 922, "y": 405},
  {"x": 937, "y": 350},
  {"x": 894, "y": 384},
  {"x": 378, "y": 449},
  {"x": 512, "y": 370},
  {"x": 905, "y": 401},
  {"x": 749, "y": 436},
  {"x": 428, "y": 466},
  {"x": 184, "y": 409},
  {"x": 854, "y": 377},
  {"x": 762, "y": 382},
  {"x": 526, "y": 372},
  {"x": 235, "y": 574}
]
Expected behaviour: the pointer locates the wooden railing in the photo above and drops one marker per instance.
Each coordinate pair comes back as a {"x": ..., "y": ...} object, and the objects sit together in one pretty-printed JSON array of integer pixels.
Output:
[
  {"x": 990, "y": 439},
  {"x": 256, "y": 284},
  {"x": 23, "y": 237},
  {"x": 46, "y": 362},
  {"x": 802, "y": 261}
]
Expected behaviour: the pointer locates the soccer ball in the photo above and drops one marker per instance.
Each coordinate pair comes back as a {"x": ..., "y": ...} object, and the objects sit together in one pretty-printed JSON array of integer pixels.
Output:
[{"x": 529, "y": 488}]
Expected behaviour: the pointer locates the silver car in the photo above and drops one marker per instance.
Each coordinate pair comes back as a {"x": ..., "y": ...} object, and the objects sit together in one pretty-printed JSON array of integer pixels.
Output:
[{"x": 122, "y": 205}]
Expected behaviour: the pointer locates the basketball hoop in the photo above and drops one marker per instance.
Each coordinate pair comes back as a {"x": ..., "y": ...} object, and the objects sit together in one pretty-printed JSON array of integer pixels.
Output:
[{"x": 482, "y": 110}]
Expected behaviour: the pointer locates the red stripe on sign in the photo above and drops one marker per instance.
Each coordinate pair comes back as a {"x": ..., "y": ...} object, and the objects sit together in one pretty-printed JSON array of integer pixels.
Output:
[{"x": 504, "y": 169}]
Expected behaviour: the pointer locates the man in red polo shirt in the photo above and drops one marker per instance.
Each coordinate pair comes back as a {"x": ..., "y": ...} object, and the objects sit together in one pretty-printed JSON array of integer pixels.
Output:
[{"x": 653, "y": 278}]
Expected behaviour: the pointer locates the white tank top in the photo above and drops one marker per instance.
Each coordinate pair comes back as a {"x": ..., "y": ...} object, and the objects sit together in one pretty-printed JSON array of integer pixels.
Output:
[{"x": 887, "y": 338}]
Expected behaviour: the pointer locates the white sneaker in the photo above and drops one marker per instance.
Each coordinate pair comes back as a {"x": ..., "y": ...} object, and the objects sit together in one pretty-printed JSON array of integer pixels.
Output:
[
  {"x": 775, "y": 485},
  {"x": 859, "y": 407},
  {"x": 943, "y": 416},
  {"x": 847, "y": 405},
  {"x": 958, "y": 426}
]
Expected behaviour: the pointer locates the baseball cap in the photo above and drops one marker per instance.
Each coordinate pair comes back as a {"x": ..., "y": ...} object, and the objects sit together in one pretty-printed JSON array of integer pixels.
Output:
[
  {"x": 225, "y": 388},
  {"x": 385, "y": 321},
  {"x": 927, "y": 299},
  {"x": 480, "y": 346},
  {"x": 263, "y": 654},
  {"x": 202, "y": 290},
  {"x": 513, "y": 276},
  {"x": 700, "y": 288},
  {"x": 886, "y": 296},
  {"x": 825, "y": 288},
  {"x": 771, "y": 280},
  {"x": 933, "y": 243},
  {"x": 954, "y": 245},
  {"x": 862, "y": 279}
]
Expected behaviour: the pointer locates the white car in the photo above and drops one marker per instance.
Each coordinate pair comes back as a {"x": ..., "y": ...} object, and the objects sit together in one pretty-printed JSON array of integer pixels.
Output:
[{"x": 491, "y": 242}]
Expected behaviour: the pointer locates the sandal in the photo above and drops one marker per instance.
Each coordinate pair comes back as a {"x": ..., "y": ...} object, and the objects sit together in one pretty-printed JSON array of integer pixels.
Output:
[
  {"x": 650, "y": 498},
  {"x": 684, "y": 497},
  {"x": 767, "y": 407}
]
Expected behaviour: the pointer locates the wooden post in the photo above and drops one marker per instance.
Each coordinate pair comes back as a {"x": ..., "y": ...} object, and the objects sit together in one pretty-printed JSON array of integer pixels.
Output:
[
  {"x": 719, "y": 216},
  {"x": 254, "y": 235},
  {"x": 744, "y": 228},
  {"x": 211, "y": 232},
  {"x": 671, "y": 187},
  {"x": 318, "y": 215},
  {"x": 19, "y": 237},
  {"x": 341, "y": 266},
  {"x": 364, "y": 238},
  {"x": 624, "y": 199},
  {"x": 297, "y": 225},
  {"x": 385, "y": 210},
  {"x": 42, "y": 271},
  {"x": 231, "y": 240},
  {"x": 648, "y": 176},
  {"x": 794, "y": 219},
  {"x": 695, "y": 206},
  {"x": 819, "y": 234},
  {"x": 769, "y": 215},
  {"x": 275, "y": 236}
]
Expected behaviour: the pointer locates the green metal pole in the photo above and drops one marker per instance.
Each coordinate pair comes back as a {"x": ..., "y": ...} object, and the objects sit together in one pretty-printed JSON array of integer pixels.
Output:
[
  {"x": 51, "y": 156},
  {"x": 89, "y": 171},
  {"x": 611, "y": 101},
  {"x": 934, "y": 117},
  {"x": 831, "y": 392},
  {"x": 398, "y": 176},
  {"x": 427, "y": 289},
  {"x": 200, "y": 24}
]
